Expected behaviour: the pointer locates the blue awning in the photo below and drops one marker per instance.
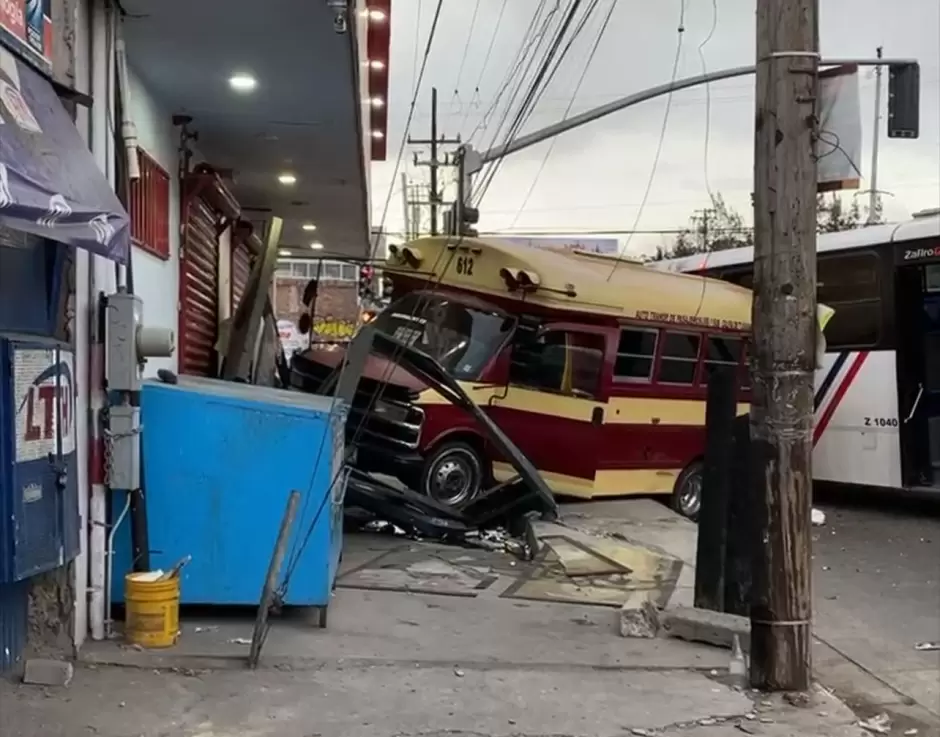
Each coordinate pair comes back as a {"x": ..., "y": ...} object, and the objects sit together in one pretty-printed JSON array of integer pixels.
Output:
[{"x": 50, "y": 184}]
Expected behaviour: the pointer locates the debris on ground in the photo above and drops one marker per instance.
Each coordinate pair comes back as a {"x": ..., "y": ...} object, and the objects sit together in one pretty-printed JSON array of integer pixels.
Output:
[
  {"x": 879, "y": 724},
  {"x": 42, "y": 672},
  {"x": 818, "y": 517},
  {"x": 240, "y": 641},
  {"x": 925, "y": 647}
]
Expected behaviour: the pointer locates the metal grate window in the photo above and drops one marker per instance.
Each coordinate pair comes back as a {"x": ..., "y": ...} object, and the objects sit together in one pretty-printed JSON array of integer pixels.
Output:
[{"x": 150, "y": 207}]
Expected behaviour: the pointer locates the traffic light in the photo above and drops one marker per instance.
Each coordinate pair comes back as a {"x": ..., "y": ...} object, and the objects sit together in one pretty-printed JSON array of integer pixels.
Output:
[
  {"x": 365, "y": 281},
  {"x": 471, "y": 216},
  {"x": 904, "y": 100}
]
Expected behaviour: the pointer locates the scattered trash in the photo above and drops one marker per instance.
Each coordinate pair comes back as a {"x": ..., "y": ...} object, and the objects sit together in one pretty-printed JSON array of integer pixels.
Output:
[
  {"x": 459, "y": 673},
  {"x": 766, "y": 720},
  {"x": 826, "y": 568},
  {"x": 640, "y": 732},
  {"x": 880, "y": 724},
  {"x": 927, "y": 646},
  {"x": 818, "y": 517},
  {"x": 910, "y": 732},
  {"x": 746, "y": 728},
  {"x": 210, "y": 628},
  {"x": 240, "y": 641}
]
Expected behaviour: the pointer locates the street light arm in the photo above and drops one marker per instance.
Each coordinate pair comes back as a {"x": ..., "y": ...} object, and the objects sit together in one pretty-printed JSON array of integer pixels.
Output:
[{"x": 589, "y": 116}]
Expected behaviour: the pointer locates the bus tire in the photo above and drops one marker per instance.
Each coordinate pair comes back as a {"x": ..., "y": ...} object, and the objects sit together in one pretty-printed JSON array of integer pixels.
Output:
[
  {"x": 687, "y": 493},
  {"x": 453, "y": 473}
]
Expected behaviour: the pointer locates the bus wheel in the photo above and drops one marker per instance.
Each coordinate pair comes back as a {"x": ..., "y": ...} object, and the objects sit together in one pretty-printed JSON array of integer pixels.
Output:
[
  {"x": 687, "y": 493},
  {"x": 453, "y": 473}
]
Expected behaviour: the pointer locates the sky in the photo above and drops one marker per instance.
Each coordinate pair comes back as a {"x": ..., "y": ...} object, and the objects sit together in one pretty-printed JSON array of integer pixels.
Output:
[{"x": 595, "y": 178}]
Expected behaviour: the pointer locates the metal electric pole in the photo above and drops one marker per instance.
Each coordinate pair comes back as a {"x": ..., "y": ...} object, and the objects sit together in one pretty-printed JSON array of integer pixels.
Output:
[
  {"x": 874, "y": 197},
  {"x": 784, "y": 340},
  {"x": 434, "y": 163}
]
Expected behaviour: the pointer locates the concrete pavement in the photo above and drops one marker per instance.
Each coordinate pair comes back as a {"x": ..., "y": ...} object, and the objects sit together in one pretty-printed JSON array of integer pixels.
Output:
[{"x": 877, "y": 589}]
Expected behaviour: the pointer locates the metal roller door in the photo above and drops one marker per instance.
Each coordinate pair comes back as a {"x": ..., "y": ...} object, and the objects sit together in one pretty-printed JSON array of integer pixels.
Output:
[{"x": 208, "y": 206}]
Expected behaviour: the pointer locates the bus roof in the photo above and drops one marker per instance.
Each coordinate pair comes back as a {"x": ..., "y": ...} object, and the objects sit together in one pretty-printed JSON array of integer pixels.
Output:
[
  {"x": 572, "y": 281},
  {"x": 926, "y": 226}
]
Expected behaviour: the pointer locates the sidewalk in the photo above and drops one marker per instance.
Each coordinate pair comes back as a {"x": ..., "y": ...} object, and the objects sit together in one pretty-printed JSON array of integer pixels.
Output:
[
  {"x": 495, "y": 651},
  {"x": 397, "y": 664}
]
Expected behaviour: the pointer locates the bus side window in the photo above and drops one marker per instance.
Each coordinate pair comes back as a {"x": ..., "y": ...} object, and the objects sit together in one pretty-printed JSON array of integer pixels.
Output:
[
  {"x": 538, "y": 363},
  {"x": 635, "y": 353},
  {"x": 559, "y": 361},
  {"x": 721, "y": 351},
  {"x": 679, "y": 358}
]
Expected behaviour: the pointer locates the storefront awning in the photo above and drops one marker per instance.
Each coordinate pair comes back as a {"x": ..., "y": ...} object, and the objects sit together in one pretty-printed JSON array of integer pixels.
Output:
[{"x": 50, "y": 184}]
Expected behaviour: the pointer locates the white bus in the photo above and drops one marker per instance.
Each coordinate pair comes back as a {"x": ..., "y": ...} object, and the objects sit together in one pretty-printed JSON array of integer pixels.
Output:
[{"x": 878, "y": 391}]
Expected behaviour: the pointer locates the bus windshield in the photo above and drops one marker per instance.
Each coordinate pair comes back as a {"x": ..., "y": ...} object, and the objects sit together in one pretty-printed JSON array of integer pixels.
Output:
[{"x": 461, "y": 338}]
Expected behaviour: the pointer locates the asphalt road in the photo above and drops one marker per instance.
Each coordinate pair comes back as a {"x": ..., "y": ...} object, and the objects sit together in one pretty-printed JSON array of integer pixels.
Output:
[{"x": 877, "y": 588}]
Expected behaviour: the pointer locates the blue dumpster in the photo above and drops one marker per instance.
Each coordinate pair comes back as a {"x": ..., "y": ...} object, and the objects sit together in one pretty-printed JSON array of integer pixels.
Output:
[{"x": 219, "y": 462}]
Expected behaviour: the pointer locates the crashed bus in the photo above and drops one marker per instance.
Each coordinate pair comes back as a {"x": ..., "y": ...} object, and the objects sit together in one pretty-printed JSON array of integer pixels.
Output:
[{"x": 595, "y": 369}]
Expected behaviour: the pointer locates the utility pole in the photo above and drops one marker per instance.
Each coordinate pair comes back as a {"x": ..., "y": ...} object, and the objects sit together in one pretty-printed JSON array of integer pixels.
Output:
[
  {"x": 434, "y": 163},
  {"x": 784, "y": 338},
  {"x": 874, "y": 197},
  {"x": 406, "y": 207}
]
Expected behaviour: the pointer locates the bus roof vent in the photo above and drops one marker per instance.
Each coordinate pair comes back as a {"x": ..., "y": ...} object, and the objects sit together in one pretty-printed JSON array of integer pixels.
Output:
[{"x": 932, "y": 212}]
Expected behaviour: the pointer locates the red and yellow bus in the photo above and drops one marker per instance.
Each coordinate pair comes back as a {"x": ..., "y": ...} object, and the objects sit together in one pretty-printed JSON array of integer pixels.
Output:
[{"x": 596, "y": 370}]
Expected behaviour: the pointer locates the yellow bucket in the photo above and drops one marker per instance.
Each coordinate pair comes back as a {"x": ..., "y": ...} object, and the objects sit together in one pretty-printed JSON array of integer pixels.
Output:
[{"x": 152, "y": 617}]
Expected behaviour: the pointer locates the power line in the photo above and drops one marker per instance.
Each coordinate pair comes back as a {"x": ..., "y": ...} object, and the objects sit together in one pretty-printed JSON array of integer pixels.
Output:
[
  {"x": 662, "y": 133},
  {"x": 574, "y": 96},
  {"x": 708, "y": 94},
  {"x": 466, "y": 48},
  {"x": 535, "y": 88},
  {"x": 486, "y": 61}
]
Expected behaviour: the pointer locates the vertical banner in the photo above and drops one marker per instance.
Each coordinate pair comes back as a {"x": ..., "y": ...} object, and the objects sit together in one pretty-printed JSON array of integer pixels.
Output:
[
  {"x": 839, "y": 147},
  {"x": 26, "y": 28}
]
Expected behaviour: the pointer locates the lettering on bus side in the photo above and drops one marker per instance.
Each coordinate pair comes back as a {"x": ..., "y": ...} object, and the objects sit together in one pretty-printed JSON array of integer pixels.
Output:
[
  {"x": 704, "y": 322},
  {"x": 917, "y": 254},
  {"x": 465, "y": 265},
  {"x": 881, "y": 422}
]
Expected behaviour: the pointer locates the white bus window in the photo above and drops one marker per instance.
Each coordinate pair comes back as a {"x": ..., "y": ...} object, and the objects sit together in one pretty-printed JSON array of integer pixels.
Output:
[
  {"x": 635, "y": 355},
  {"x": 849, "y": 284}
]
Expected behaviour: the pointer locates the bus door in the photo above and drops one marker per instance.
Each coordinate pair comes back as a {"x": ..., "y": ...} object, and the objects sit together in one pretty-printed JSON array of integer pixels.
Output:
[
  {"x": 917, "y": 318},
  {"x": 553, "y": 407}
]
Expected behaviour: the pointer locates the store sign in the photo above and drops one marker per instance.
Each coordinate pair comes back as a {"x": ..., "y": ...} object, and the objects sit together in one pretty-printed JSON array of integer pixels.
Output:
[
  {"x": 26, "y": 26},
  {"x": 44, "y": 392}
]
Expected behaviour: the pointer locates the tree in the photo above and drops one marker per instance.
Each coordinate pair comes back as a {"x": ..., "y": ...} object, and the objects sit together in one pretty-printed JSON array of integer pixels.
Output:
[
  {"x": 833, "y": 216},
  {"x": 716, "y": 228}
]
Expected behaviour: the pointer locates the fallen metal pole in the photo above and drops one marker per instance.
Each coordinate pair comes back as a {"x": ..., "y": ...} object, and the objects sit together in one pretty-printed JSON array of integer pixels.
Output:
[{"x": 497, "y": 152}]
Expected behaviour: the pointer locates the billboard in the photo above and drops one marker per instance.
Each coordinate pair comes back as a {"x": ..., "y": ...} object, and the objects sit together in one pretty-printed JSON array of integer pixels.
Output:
[
  {"x": 26, "y": 28},
  {"x": 567, "y": 243}
]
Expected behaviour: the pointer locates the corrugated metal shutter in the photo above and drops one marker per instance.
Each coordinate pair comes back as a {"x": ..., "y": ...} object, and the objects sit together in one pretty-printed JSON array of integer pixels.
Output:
[
  {"x": 241, "y": 270},
  {"x": 14, "y": 607},
  {"x": 206, "y": 203}
]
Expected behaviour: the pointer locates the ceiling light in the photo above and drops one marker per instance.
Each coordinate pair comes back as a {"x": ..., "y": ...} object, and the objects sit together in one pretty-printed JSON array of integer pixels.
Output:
[
  {"x": 309, "y": 227},
  {"x": 316, "y": 246},
  {"x": 376, "y": 64},
  {"x": 378, "y": 134},
  {"x": 242, "y": 82},
  {"x": 376, "y": 15},
  {"x": 377, "y": 102},
  {"x": 287, "y": 179}
]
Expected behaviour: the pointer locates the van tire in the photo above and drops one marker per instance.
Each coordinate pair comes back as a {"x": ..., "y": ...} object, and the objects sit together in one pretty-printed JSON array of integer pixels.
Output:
[
  {"x": 453, "y": 473},
  {"x": 687, "y": 493}
]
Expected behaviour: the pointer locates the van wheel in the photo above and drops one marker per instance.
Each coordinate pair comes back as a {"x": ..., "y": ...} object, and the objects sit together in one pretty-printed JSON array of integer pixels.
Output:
[
  {"x": 687, "y": 493},
  {"x": 453, "y": 473}
]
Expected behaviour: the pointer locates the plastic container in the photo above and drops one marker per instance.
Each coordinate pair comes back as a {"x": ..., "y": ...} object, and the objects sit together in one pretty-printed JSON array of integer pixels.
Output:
[{"x": 152, "y": 610}]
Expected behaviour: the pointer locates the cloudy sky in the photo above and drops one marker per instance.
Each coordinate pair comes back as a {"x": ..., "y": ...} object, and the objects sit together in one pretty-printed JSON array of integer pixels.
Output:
[{"x": 596, "y": 176}]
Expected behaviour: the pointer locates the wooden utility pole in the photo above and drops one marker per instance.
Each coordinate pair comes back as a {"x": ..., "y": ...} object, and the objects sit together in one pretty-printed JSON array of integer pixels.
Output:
[
  {"x": 784, "y": 325},
  {"x": 434, "y": 163}
]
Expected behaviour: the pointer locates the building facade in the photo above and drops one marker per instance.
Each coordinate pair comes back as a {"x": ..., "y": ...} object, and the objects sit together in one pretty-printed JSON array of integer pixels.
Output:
[{"x": 196, "y": 211}]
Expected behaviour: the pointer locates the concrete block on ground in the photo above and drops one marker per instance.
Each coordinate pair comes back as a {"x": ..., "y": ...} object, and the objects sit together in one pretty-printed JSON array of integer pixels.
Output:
[
  {"x": 639, "y": 621},
  {"x": 703, "y": 625},
  {"x": 41, "y": 672}
]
